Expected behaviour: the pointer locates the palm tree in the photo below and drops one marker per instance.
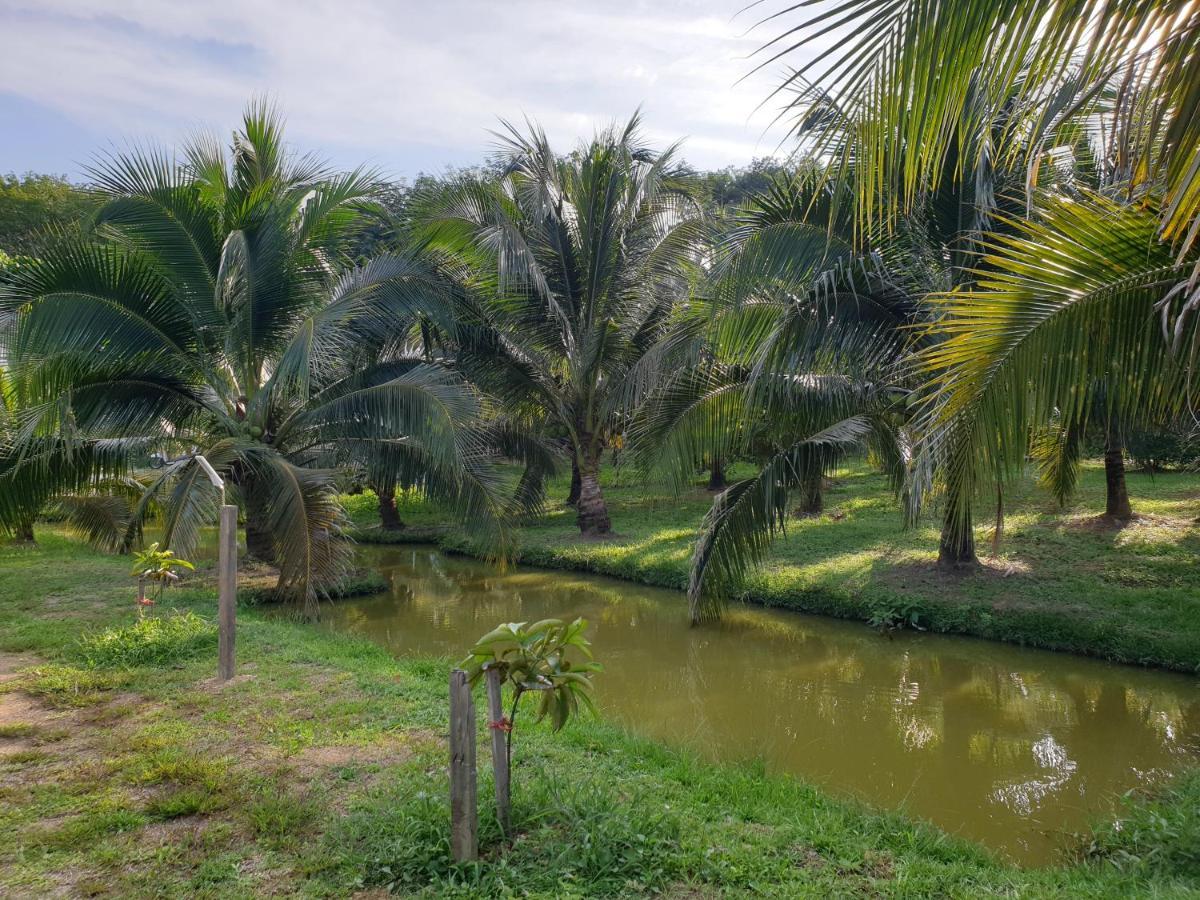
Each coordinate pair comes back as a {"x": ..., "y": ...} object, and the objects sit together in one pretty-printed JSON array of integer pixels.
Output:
[
  {"x": 904, "y": 82},
  {"x": 19, "y": 524},
  {"x": 572, "y": 265},
  {"x": 1058, "y": 451},
  {"x": 793, "y": 362},
  {"x": 1061, "y": 324},
  {"x": 208, "y": 311}
]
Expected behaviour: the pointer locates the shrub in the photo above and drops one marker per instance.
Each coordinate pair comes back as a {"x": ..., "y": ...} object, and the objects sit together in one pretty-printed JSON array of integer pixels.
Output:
[
  {"x": 153, "y": 641},
  {"x": 1164, "y": 449},
  {"x": 890, "y": 614}
]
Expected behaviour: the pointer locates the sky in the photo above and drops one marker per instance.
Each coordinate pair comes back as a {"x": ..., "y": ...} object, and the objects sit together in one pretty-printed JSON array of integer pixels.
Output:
[{"x": 404, "y": 86}]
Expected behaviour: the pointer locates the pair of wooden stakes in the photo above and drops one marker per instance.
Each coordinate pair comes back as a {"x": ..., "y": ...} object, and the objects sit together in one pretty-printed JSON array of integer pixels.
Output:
[{"x": 464, "y": 800}]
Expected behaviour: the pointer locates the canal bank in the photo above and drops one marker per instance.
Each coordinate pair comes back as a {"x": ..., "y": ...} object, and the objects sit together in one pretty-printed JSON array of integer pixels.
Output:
[{"x": 1060, "y": 581}]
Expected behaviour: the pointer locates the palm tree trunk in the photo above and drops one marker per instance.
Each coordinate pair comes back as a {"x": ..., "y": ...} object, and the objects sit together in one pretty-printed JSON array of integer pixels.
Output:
[
  {"x": 24, "y": 531},
  {"x": 258, "y": 540},
  {"x": 259, "y": 544},
  {"x": 576, "y": 483},
  {"x": 593, "y": 513},
  {"x": 812, "y": 498},
  {"x": 389, "y": 519},
  {"x": 716, "y": 480},
  {"x": 956, "y": 549},
  {"x": 1116, "y": 500}
]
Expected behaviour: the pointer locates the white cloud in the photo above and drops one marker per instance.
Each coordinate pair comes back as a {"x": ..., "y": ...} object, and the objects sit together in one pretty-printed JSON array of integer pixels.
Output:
[{"x": 401, "y": 83}]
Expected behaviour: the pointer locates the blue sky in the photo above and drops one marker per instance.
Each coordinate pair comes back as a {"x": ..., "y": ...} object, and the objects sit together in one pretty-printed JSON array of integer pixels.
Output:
[{"x": 405, "y": 86}]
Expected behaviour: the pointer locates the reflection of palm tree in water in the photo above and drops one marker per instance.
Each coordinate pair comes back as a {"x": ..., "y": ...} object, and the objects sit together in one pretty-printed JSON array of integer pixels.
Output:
[{"x": 1116, "y": 717}]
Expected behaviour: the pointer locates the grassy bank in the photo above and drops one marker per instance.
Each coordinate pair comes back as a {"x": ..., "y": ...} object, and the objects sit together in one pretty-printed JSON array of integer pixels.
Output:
[
  {"x": 321, "y": 771},
  {"x": 1061, "y": 579}
]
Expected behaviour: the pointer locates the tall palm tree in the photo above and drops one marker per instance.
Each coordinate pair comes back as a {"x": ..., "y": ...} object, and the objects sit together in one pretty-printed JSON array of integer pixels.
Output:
[
  {"x": 1059, "y": 327},
  {"x": 208, "y": 310},
  {"x": 903, "y": 77},
  {"x": 572, "y": 265}
]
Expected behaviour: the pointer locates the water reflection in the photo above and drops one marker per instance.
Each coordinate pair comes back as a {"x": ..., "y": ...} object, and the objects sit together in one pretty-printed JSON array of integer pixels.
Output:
[{"x": 1011, "y": 747}]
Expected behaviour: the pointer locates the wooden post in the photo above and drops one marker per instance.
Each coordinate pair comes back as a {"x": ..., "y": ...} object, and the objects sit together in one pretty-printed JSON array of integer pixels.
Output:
[
  {"x": 464, "y": 806},
  {"x": 496, "y": 721},
  {"x": 227, "y": 592}
]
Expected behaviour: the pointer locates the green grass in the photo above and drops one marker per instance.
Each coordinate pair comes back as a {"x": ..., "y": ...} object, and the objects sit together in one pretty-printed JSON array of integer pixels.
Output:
[
  {"x": 1058, "y": 581},
  {"x": 65, "y": 686},
  {"x": 1163, "y": 835},
  {"x": 152, "y": 640},
  {"x": 321, "y": 771}
]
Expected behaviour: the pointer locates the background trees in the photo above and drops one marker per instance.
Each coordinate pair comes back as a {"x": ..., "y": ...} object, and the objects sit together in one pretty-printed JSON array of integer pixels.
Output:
[{"x": 34, "y": 208}]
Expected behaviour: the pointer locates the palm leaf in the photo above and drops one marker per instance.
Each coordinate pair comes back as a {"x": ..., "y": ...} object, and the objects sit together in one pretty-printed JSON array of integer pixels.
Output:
[{"x": 744, "y": 519}]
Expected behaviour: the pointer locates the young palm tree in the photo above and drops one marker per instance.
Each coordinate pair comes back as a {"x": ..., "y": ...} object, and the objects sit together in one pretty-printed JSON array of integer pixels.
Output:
[
  {"x": 1058, "y": 451},
  {"x": 207, "y": 311},
  {"x": 572, "y": 265},
  {"x": 19, "y": 523}
]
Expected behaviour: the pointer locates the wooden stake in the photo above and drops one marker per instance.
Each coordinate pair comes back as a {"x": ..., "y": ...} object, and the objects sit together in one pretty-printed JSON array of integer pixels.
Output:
[
  {"x": 499, "y": 749},
  {"x": 464, "y": 806},
  {"x": 227, "y": 592}
]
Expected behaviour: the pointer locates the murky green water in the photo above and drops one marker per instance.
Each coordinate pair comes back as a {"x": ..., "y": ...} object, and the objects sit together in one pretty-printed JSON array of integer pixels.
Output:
[{"x": 1015, "y": 748}]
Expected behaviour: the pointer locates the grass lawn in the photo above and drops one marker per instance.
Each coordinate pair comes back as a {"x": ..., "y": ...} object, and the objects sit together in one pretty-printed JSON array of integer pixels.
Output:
[
  {"x": 1059, "y": 581},
  {"x": 320, "y": 770}
]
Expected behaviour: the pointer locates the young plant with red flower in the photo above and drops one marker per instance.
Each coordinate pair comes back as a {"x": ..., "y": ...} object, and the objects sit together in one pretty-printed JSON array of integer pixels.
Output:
[
  {"x": 551, "y": 657},
  {"x": 157, "y": 567}
]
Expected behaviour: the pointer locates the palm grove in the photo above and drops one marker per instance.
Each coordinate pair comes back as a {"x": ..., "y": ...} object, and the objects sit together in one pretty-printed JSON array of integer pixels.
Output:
[{"x": 984, "y": 250}]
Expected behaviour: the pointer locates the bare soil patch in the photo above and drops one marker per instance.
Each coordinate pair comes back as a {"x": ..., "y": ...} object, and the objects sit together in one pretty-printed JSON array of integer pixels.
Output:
[{"x": 929, "y": 575}]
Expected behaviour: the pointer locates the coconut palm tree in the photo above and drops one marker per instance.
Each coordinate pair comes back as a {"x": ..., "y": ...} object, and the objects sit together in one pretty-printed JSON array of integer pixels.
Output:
[
  {"x": 1058, "y": 452},
  {"x": 572, "y": 265},
  {"x": 903, "y": 79},
  {"x": 792, "y": 361},
  {"x": 208, "y": 311},
  {"x": 1060, "y": 327}
]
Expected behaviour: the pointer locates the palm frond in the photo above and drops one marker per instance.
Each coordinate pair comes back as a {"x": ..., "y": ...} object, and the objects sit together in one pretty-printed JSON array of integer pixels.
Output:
[
  {"x": 744, "y": 519},
  {"x": 1063, "y": 304},
  {"x": 305, "y": 522}
]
